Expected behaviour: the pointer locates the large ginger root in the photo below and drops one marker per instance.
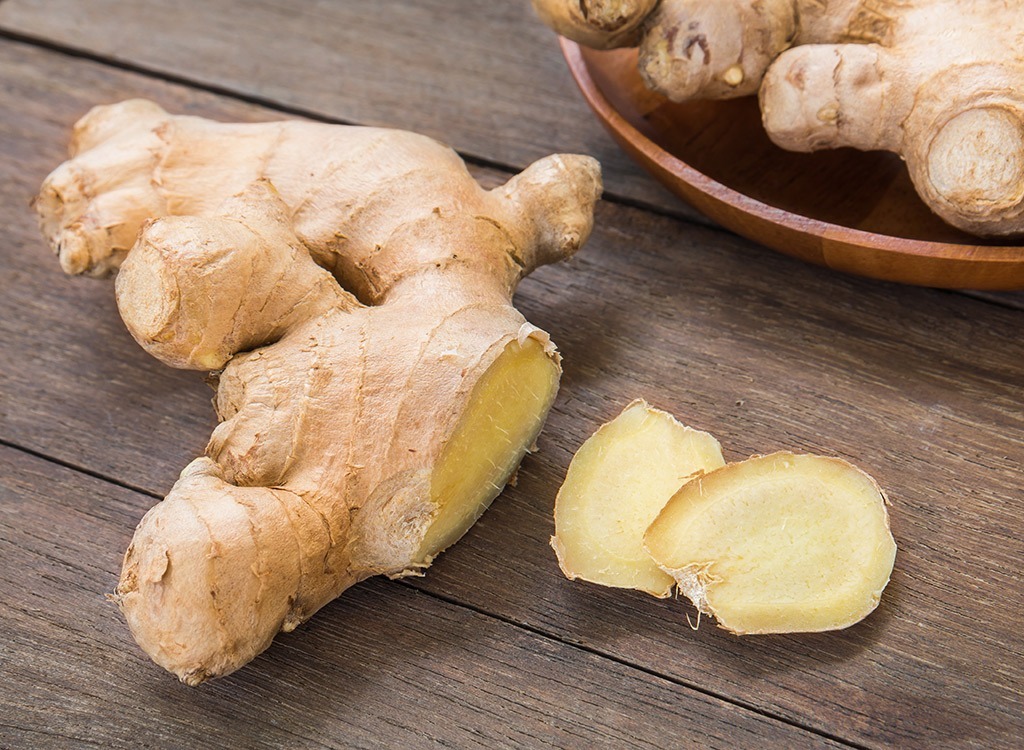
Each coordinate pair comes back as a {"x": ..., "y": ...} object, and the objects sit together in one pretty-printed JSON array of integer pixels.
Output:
[
  {"x": 617, "y": 483},
  {"x": 376, "y": 389},
  {"x": 937, "y": 81},
  {"x": 774, "y": 544}
]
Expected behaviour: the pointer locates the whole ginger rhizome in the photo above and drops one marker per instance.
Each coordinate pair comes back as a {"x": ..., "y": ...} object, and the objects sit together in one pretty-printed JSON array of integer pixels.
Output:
[
  {"x": 939, "y": 82},
  {"x": 376, "y": 389}
]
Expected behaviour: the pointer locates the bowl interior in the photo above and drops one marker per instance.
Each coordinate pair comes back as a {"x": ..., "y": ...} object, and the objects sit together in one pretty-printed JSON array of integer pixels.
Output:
[{"x": 866, "y": 199}]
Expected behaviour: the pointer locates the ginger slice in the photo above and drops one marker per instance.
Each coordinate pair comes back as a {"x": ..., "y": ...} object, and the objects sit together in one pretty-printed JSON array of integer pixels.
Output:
[
  {"x": 617, "y": 483},
  {"x": 778, "y": 544}
]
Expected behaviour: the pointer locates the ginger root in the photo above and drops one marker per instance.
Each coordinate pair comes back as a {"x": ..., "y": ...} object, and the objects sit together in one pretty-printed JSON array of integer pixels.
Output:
[
  {"x": 375, "y": 387},
  {"x": 616, "y": 485},
  {"x": 938, "y": 82},
  {"x": 601, "y": 24},
  {"x": 774, "y": 544}
]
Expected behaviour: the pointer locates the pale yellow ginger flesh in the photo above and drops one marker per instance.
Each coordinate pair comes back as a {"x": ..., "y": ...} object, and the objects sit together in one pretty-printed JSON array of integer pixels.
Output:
[
  {"x": 376, "y": 389},
  {"x": 616, "y": 485},
  {"x": 778, "y": 544},
  {"x": 940, "y": 82},
  {"x": 504, "y": 417}
]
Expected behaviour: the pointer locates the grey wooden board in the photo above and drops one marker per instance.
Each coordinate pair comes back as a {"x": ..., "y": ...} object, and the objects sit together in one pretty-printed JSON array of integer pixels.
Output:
[
  {"x": 486, "y": 77},
  {"x": 921, "y": 388},
  {"x": 386, "y": 666},
  {"x": 493, "y": 84}
]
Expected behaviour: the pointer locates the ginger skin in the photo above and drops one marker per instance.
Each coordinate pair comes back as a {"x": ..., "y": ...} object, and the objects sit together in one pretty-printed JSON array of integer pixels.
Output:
[
  {"x": 376, "y": 387},
  {"x": 938, "y": 82}
]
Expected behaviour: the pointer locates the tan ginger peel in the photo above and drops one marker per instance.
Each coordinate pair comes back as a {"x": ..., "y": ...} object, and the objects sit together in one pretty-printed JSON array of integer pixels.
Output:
[{"x": 376, "y": 388}]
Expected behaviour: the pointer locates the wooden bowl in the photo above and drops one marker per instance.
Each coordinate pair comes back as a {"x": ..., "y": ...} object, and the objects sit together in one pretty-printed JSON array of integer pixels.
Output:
[{"x": 848, "y": 210}]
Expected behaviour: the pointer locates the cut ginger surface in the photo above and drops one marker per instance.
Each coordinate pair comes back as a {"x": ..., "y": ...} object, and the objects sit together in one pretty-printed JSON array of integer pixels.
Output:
[
  {"x": 504, "y": 417},
  {"x": 777, "y": 544},
  {"x": 616, "y": 484}
]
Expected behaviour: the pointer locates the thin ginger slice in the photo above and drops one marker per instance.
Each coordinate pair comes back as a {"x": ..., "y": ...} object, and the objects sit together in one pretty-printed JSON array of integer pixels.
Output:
[
  {"x": 617, "y": 483},
  {"x": 778, "y": 544}
]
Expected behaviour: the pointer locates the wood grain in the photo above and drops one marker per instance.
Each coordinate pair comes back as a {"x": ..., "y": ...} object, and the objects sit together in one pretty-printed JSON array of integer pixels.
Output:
[
  {"x": 921, "y": 388},
  {"x": 486, "y": 77},
  {"x": 385, "y": 666}
]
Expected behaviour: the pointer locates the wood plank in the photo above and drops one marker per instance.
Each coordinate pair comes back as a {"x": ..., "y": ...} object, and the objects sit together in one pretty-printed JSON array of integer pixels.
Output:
[
  {"x": 385, "y": 666},
  {"x": 388, "y": 63},
  {"x": 493, "y": 85},
  {"x": 922, "y": 388}
]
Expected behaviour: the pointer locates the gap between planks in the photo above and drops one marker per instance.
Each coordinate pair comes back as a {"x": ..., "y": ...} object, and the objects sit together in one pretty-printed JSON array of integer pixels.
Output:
[
  {"x": 525, "y": 627},
  {"x": 79, "y": 469}
]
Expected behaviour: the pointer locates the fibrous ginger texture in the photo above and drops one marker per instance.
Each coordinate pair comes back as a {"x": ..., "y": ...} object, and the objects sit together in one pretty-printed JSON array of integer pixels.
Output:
[
  {"x": 351, "y": 287},
  {"x": 940, "y": 82},
  {"x": 617, "y": 483},
  {"x": 778, "y": 544}
]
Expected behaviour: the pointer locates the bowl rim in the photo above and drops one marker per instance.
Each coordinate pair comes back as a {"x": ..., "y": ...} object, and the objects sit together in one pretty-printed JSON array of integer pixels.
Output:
[{"x": 613, "y": 119}]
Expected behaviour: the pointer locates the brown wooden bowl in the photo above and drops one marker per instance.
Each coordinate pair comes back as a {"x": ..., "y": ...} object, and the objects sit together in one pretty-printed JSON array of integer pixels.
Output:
[{"x": 848, "y": 210}]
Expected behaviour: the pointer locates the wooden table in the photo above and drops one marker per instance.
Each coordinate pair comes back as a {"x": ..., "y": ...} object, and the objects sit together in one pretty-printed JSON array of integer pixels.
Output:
[{"x": 494, "y": 648}]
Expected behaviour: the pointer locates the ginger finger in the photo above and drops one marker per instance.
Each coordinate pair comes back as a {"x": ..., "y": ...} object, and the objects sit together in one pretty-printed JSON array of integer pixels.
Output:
[
  {"x": 194, "y": 292},
  {"x": 714, "y": 49},
  {"x": 964, "y": 146},
  {"x": 601, "y": 24},
  {"x": 828, "y": 96}
]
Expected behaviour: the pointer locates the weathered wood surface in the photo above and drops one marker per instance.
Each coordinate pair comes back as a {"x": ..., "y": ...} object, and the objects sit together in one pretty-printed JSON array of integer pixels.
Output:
[
  {"x": 921, "y": 388},
  {"x": 386, "y": 666},
  {"x": 483, "y": 76}
]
